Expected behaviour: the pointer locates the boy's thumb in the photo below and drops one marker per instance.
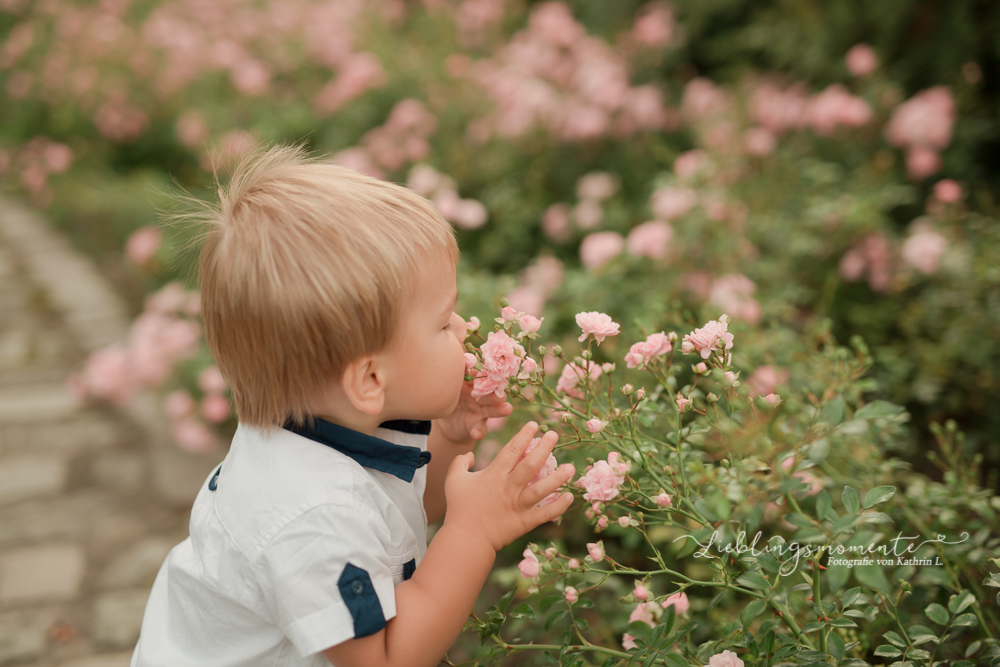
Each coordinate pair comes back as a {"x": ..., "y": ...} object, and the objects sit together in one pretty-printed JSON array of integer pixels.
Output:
[{"x": 462, "y": 463}]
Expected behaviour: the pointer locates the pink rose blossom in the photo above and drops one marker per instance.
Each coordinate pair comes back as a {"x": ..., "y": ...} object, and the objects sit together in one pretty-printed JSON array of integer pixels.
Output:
[
  {"x": 601, "y": 481},
  {"x": 759, "y": 141},
  {"x": 654, "y": 25},
  {"x": 192, "y": 129},
  {"x": 602, "y": 523},
  {"x": 529, "y": 567},
  {"x": 597, "y": 186},
  {"x": 870, "y": 254},
  {"x": 215, "y": 408},
  {"x": 640, "y": 592},
  {"x": 725, "y": 659},
  {"x": 573, "y": 564},
  {"x": 528, "y": 365},
  {"x": 772, "y": 399},
  {"x": 473, "y": 323},
  {"x": 706, "y": 339},
  {"x": 596, "y": 425},
  {"x": 555, "y": 223},
  {"x": 645, "y": 612},
  {"x": 470, "y": 361},
  {"x": 599, "y": 248},
  {"x": 947, "y": 191},
  {"x": 766, "y": 379},
  {"x": 923, "y": 250},
  {"x": 572, "y": 375},
  {"x": 672, "y": 202},
  {"x": 650, "y": 239},
  {"x": 624, "y": 521},
  {"x": 469, "y": 214},
  {"x": 663, "y": 500},
  {"x": 588, "y": 214},
  {"x": 731, "y": 377},
  {"x": 178, "y": 404},
  {"x": 508, "y": 314},
  {"x": 701, "y": 367},
  {"x": 484, "y": 385},
  {"x": 550, "y": 553},
  {"x": 924, "y": 120},
  {"x": 861, "y": 60},
  {"x": 210, "y": 381},
  {"x": 596, "y": 550},
  {"x": 628, "y": 642},
  {"x": 732, "y": 293},
  {"x": 597, "y": 324},
  {"x": 814, "y": 482},
  {"x": 529, "y": 324},
  {"x": 683, "y": 404},
  {"x": 142, "y": 245},
  {"x": 679, "y": 601},
  {"x": 501, "y": 355},
  {"x": 922, "y": 162},
  {"x": 690, "y": 164},
  {"x": 193, "y": 436},
  {"x": 571, "y": 594},
  {"x": 641, "y": 354}
]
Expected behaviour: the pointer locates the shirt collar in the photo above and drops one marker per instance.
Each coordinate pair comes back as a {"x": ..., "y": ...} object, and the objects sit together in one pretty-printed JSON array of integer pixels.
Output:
[{"x": 368, "y": 450}]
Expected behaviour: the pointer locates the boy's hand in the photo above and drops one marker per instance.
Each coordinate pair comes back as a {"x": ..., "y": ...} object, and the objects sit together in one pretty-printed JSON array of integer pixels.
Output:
[
  {"x": 468, "y": 421},
  {"x": 498, "y": 502}
]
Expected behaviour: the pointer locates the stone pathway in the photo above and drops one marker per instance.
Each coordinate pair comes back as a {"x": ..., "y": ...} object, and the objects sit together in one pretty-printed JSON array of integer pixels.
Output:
[{"x": 91, "y": 498}]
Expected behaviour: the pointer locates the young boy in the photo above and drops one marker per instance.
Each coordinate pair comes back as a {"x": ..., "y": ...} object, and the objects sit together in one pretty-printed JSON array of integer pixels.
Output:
[{"x": 328, "y": 301}]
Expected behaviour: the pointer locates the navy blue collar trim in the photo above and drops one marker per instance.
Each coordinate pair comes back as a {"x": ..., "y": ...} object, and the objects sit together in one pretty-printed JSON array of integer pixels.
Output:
[{"x": 369, "y": 451}]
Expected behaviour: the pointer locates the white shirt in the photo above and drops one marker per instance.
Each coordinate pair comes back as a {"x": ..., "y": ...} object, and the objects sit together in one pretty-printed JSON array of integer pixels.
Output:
[{"x": 296, "y": 544}]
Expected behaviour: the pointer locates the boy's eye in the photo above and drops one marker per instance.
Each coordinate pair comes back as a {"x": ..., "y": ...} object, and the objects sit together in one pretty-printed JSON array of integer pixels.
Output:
[{"x": 447, "y": 327}]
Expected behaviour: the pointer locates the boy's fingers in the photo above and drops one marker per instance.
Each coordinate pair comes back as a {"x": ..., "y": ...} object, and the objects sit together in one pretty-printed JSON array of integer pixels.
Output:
[
  {"x": 511, "y": 453},
  {"x": 534, "y": 493},
  {"x": 461, "y": 463},
  {"x": 539, "y": 515},
  {"x": 533, "y": 462}
]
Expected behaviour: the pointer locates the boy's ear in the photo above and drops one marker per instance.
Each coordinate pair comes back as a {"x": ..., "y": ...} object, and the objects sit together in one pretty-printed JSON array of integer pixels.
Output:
[{"x": 364, "y": 384}]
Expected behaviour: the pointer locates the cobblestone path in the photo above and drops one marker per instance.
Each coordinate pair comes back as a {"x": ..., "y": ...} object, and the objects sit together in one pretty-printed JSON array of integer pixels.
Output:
[{"x": 91, "y": 498}]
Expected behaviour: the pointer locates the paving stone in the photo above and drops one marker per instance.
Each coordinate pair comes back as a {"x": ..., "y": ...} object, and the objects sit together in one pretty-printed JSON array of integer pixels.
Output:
[
  {"x": 119, "y": 470},
  {"x": 15, "y": 348},
  {"x": 118, "y": 617},
  {"x": 50, "y": 572},
  {"x": 86, "y": 432},
  {"x": 23, "y": 635},
  {"x": 137, "y": 566},
  {"x": 42, "y": 403},
  {"x": 122, "y": 659},
  {"x": 30, "y": 476},
  {"x": 67, "y": 517}
]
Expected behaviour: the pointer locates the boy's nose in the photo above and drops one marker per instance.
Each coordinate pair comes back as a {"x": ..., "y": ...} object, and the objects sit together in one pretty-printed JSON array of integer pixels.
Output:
[{"x": 459, "y": 327}]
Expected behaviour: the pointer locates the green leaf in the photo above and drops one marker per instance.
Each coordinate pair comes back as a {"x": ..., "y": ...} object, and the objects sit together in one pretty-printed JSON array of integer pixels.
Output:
[
  {"x": 813, "y": 627},
  {"x": 854, "y": 613},
  {"x": 524, "y": 611},
  {"x": 767, "y": 643},
  {"x": 850, "y": 662},
  {"x": 824, "y": 507},
  {"x": 751, "y": 612},
  {"x": 879, "y": 494},
  {"x": 639, "y": 629},
  {"x": 715, "y": 600},
  {"x": 754, "y": 580},
  {"x": 558, "y": 616},
  {"x": 886, "y": 651},
  {"x": 973, "y": 647},
  {"x": 582, "y": 624},
  {"x": 850, "y": 499},
  {"x": 966, "y": 619},
  {"x": 871, "y": 613},
  {"x": 811, "y": 656},
  {"x": 835, "y": 645},
  {"x": 964, "y": 663},
  {"x": 799, "y": 520},
  {"x": 874, "y": 517},
  {"x": 918, "y": 654},
  {"x": 871, "y": 575},
  {"x": 851, "y": 596},
  {"x": 878, "y": 410},
  {"x": 546, "y": 603},
  {"x": 843, "y": 623},
  {"x": 921, "y": 634},
  {"x": 834, "y": 410},
  {"x": 936, "y": 613},
  {"x": 667, "y": 620},
  {"x": 894, "y": 639},
  {"x": 960, "y": 601},
  {"x": 676, "y": 660}
]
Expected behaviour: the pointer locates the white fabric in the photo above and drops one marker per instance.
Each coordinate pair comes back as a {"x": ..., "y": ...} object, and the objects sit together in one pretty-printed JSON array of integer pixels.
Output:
[{"x": 256, "y": 581}]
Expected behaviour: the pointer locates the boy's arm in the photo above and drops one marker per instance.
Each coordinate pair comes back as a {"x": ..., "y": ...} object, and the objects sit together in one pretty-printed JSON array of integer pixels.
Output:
[{"x": 433, "y": 605}]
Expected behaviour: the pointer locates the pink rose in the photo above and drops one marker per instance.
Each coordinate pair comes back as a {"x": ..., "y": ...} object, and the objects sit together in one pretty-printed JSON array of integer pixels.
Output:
[
  {"x": 599, "y": 248},
  {"x": 470, "y": 361},
  {"x": 571, "y": 594},
  {"x": 765, "y": 379},
  {"x": 861, "y": 60},
  {"x": 473, "y": 323},
  {"x": 650, "y": 239},
  {"x": 597, "y": 186},
  {"x": 597, "y": 324},
  {"x": 602, "y": 523},
  {"x": 529, "y": 365},
  {"x": 947, "y": 191},
  {"x": 640, "y": 592},
  {"x": 501, "y": 355},
  {"x": 683, "y": 404},
  {"x": 925, "y": 120},
  {"x": 772, "y": 399},
  {"x": 529, "y": 324},
  {"x": 706, "y": 339},
  {"x": 642, "y": 353},
  {"x": 550, "y": 553},
  {"x": 700, "y": 367},
  {"x": 628, "y": 642},
  {"x": 689, "y": 164},
  {"x": 508, "y": 314},
  {"x": 645, "y": 612},
  {"x": 178, "y": 404},
  {"x": 624, "y": 521},
  {"x": 596, "y": 425},
  {"x": 555, "y": 223},
  {"x": 922, "y": 162},
  {"x": 923, "y": 249},
  {"x": 573, "y": 564},
  {"x": 725, "y": 659},
  {"x": 663, "y": 500},
  {"x": 210, "y": 381},
  {"x": 215, "y": 408},
  {"x": 759, "y": 141},
  {"x": 672, "y": 202},
  {"x": 572, "y": 375},
  {"x": 596, "y": 550},
  {"x": 193, "y": 436},
  {"x": 731, "y": 378},
  {"x": 142, "y": 245},
  {"x": 484, "y": 385},
  {"x": 529, "y": 567},
  {"x": 679, "y": 601},
  {"x": 601, "y": 481},
  {"x": 654, "y": 25}
]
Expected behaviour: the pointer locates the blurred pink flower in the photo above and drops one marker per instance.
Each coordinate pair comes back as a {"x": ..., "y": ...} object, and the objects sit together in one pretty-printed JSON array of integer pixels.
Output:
[
  {"x": 545, "y": 274},
  {"x": 923, "y": 249},
  {"x": 707, "y": 339},
  {"x": 645, "y": 612},
  {"x": 555, "y": 223},
  {"x": 529, "y": 566},
  {"x": 58, "y": 157},
  {"x": 599, "y": 248},
  {"x": 588, "y": 214},
  {"x": 861, "y": 60},
  {"x": 725, "y": 659},
  {"x": 596, "y": 425},
  {"x": 120, "y": 121},
  {"x": 597, "y": 186},
  {"x": 679, "y": 601},
  {"x": 703, "y": 100},
  {"x": 672, "y": 202},
  {"x": 191, "y": 129},
  {"x": 553, "y": 21},
  {"x": 210, "y": 381},
  {"x": 663, "y": 500},
  {"x": 650, "y": 239},
  {"x": 571, "y": 594},
  {"x": 779, "y": 110},
  {"x": 469, "y": 214},
  {"x": 142, "y": 245},
  {"x": 193, "y": 436},
  {"x": 690, "y": 163},
  {"x": 527, "y": 299},
  {"x": 654, "y": 25},
  {"x": 766, "y": 379},
  {"x": 215, "y": 408},
  {"x": 947, "y": 191},
  {"x": 683, "y": 403},
  {"x": 358, "y": 159},
  {"x": 178, "y": 404},
  {"x": 759, "y": 141},
  {"x": 250, "y": 77},
  {"x": 733, "y": 293},
  {"x": 836, "y": 106},
  {"x": 643, "y": 352},
  {"x": 643, "y": 105},
  {"x": 596, "y": 550},
  {"x": 925, "y": 120},
  {"x": 360, "y": 72},
  {"x": 107, "y": 374},
  {"x": 922, "y": 162},
  {"x": 869, "y": 255},
  {"x": 571, "y": 377}
]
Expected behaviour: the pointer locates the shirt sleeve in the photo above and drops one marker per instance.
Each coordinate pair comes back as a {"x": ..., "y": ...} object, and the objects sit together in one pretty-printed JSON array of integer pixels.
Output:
[{"x": 327, "y": 578}]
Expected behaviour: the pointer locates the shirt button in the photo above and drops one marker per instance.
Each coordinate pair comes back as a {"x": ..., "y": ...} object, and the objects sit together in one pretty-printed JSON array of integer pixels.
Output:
[{"x": 358, "y": 588}]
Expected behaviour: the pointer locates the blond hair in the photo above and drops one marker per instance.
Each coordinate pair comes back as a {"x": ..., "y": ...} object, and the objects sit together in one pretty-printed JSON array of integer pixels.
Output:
[{"x": 305, "y": 267}]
